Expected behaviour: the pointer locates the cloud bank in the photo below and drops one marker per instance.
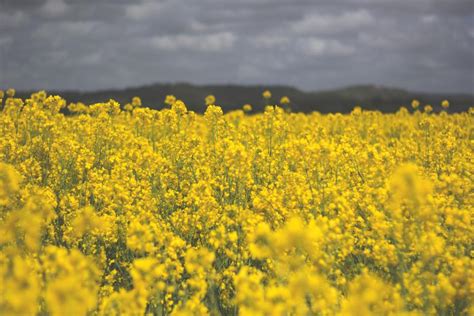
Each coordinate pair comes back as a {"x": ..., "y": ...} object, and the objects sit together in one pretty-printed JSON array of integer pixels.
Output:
[{"x": 425, "y": 45}]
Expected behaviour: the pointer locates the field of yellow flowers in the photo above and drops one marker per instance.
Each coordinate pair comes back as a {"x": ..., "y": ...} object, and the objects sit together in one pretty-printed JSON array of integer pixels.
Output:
[{"x": 113, "y": 210}]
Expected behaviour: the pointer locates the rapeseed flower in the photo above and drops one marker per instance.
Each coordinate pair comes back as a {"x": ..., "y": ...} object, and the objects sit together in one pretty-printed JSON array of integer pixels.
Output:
[{"x": 129, "y": 210}]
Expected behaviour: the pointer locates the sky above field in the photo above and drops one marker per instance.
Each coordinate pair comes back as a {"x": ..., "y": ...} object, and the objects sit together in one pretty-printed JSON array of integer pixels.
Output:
[{"x": 423, "y": 45}]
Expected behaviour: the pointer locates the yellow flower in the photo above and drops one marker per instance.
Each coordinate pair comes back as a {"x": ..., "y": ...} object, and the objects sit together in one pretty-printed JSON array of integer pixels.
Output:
[
  {"x": 128, "y": 107},
  {"x": 267, "y": 94},
  {"x": 9, "y": 182},
  {"x": 284, "y": 100},
  {"x": 179, "y": 107},
  {"x": 210, "y": 99},
  {"x": 144, "y": 211},
  {"x": 10, "y": 93},
  {"x": 170, "y": 100},
  {"x": 20, "y": 287},
  {"x": 136, "y": 102},
  {"x": 445, "y": 104}
]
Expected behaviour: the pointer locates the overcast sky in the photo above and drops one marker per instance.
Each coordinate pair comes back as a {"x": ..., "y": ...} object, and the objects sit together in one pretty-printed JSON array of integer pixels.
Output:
[{"x": 424, "y": 45}]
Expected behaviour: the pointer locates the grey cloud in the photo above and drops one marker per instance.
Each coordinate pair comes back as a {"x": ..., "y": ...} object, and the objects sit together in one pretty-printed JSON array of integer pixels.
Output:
[
  {"x": 345, "y": 22},
  {"x": 87, "y": 44},
  {"x": 206, "y": 43}
]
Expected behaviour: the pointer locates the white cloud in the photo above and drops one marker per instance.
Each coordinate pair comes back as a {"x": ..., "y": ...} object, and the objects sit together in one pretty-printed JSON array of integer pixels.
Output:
[
  {"x": 54, "y": 8},
  {"x": 323, "y": 23},
  {"x": 429, "y": 19},
  {"x": 69, "y": 29},
  {"x": 206, "y": 43},
  {"x": 319, "y": 47},
  {"x": 79, "y": 27},
  {"x": 143, "y": 9},
  {"x": 198, "y": 26},
  {"x": 270, "y": 41}
]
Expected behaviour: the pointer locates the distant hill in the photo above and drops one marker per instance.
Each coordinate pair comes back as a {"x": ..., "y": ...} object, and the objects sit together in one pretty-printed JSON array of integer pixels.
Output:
[{"x": 231, "y": 97}]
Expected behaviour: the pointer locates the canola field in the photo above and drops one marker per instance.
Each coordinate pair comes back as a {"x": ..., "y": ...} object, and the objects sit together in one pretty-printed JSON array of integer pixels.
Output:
[{"x": 123, "y": 210}]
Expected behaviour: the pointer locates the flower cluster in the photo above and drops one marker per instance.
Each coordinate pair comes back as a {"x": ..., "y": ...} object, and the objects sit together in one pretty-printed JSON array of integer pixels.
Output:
[{"x": 124, "y": 210}]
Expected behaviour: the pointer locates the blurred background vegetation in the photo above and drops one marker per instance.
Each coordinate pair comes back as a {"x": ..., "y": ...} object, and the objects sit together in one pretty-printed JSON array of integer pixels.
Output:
[{"x": 231, "y": 97}]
